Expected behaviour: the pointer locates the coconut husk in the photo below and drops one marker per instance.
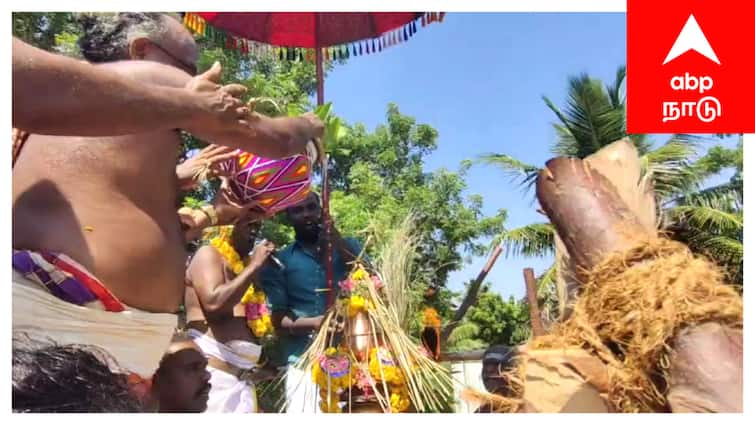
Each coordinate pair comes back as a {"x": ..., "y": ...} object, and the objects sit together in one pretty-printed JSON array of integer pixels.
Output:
[
  {"x": 631, "y": 308},
  {"x": 581, "y": 382},
  {"x": 550, "y": 380}
]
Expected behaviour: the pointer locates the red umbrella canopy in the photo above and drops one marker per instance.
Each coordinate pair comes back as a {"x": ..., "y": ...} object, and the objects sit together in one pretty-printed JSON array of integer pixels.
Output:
[{"x": 312, "y": 29}]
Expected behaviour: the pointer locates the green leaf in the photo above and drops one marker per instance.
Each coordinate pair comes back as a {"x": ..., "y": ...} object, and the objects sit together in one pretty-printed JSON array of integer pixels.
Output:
[{"x": 533, "y": 240}]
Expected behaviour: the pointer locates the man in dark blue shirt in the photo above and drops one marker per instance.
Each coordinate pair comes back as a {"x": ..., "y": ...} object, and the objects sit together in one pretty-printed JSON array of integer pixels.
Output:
[{"x": 296, "y": 293}]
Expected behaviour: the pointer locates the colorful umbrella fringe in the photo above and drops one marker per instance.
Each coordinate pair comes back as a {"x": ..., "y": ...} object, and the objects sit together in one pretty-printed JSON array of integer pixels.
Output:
[{"x": 199, "y": 26}]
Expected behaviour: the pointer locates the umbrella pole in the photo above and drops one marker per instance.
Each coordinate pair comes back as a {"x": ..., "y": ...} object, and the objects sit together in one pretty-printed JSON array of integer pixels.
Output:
[
  {"x": 318, "y": 70},
  {"x": 326, "y": 221}
]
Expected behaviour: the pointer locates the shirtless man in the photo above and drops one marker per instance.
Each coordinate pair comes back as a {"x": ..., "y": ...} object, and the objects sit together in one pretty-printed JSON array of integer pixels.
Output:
[
  {"x": 94, "y": 219},
  {"x": 216, "y": 320}
]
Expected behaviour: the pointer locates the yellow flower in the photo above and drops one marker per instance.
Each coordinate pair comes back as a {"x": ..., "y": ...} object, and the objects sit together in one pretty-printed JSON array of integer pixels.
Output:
[
  {"x": 259, "y": 298},
  {"x": 356, "y": 304},
  {"x": 359, "y": 274},
  {"x": 400, "y": 400},
  {"x": 384, "y": 370},
  {"x": 262, "y": 325},
  {"x": 248, "y": 295},
  {"x": 228, "y": 253}
]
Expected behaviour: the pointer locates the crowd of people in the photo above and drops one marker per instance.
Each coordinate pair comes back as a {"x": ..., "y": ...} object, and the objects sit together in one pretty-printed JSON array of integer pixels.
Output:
[{"x": 100, "y": 265}]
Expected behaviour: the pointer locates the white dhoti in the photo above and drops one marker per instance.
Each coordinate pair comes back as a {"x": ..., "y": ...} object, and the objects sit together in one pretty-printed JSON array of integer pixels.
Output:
[
  {"x": 229, "y": 393},
  {"x": 135, "y": 339},
  {"x": 302, "y": 395}
]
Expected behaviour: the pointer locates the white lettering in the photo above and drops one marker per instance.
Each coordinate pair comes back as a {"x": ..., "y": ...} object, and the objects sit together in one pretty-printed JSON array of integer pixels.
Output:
[
  {"x": 688, "y": 109},
  {"x": 708, "y": 109},
  {"x": 691, "y": 82},
  {"x": 677, "y": 83},
  {"x": 706, "y": 83},
  {"x": 671, "y": 111}
]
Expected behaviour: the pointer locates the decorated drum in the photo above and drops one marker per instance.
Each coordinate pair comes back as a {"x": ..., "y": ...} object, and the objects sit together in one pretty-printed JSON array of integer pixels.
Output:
[{"x": 271, "y": 185}]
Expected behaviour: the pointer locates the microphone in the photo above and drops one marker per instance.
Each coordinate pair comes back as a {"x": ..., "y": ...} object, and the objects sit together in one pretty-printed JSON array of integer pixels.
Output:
[
  {"x": 272, "y": 257},
  {"x": 276, "y": 261}
]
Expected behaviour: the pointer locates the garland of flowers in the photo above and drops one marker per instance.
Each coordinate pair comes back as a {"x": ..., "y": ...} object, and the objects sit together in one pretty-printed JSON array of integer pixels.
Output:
[
  {"x": 256, "y": 311},
  {"x": 254, "y": 300},
  {"x": 333, "y": 374},
  {"x": 230, "y": 255}
]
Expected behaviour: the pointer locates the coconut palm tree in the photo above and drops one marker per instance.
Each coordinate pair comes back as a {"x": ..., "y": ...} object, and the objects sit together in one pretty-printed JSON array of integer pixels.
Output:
[
  {"x": 710, "y": 220},
  {"x": 593, "y": 117}
]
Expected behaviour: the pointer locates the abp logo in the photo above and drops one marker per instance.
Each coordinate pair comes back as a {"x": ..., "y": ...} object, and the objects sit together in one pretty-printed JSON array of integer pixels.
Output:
[{"x": 686, "y": 66}]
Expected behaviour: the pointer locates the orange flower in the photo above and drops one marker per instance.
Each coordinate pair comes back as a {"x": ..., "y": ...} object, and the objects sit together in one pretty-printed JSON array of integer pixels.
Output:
[{"x": 432, "y": 319}]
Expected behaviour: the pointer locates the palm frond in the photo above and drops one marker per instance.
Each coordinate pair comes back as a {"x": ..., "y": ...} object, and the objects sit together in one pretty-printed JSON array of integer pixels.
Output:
[
  {"x": 547, "y": 280},
  {"x": 614, "y": 90},
  {"x": 532, "y": 240},
  {"x": 524, "y": 175},
  {"x": 728, "y": 196},
  {"x": 669, "y": 167},
  {"x": 589, "y": 121},
  {"x": 721, "y": 248},
  {"x": 708, "y": 218}
]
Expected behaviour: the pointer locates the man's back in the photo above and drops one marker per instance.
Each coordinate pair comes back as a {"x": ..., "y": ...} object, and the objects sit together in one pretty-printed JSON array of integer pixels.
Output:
[{"x": 108, "y": 203}]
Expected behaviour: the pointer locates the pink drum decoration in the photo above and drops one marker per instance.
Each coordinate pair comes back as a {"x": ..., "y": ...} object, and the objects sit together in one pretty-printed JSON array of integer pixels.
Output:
[{"x": 271, "y": 185}]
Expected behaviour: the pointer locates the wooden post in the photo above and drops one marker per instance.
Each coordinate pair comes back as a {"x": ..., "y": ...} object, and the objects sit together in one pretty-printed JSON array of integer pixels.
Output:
[{"x": 537, "y": 324}]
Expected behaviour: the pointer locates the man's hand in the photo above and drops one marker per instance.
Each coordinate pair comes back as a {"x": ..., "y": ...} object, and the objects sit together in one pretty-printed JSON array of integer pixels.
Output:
[
  {"x": 204, "y": 165},
  {"x": 316, "y": 127},
  {"x": 260, "y": 253},
  {"x": 230, "y": 210},
  {"x": 193, "y": 221},
  {"x": 220, "y": 105},
  {"x": 225, "y": 120}
]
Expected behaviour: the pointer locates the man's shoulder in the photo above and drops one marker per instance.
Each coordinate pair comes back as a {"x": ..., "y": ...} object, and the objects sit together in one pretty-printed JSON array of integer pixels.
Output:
[{"x": 206, "y": 253}]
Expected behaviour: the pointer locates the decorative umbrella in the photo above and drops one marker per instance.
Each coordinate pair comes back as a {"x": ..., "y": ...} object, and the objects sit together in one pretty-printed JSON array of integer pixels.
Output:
[{"x": 311, "y": 36}]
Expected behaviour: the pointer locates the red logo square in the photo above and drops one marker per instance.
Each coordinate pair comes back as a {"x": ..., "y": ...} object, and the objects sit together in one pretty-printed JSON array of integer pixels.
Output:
[{"x": 688, "y": 66}]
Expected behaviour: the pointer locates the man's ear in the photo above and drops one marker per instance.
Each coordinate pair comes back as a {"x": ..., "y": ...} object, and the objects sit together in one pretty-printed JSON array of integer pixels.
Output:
[{"x": 137, "y": 48}]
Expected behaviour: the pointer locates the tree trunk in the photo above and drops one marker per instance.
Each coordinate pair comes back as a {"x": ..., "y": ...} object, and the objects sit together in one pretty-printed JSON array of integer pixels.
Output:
[{"x": 471, "y": 297}]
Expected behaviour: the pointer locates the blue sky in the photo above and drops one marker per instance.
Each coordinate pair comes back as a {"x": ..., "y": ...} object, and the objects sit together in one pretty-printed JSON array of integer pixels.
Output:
[{"x": 478, "y": 79}]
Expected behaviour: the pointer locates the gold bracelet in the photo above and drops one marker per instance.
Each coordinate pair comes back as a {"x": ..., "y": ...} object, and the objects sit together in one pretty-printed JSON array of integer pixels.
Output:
[{"x": 209, "y": 210}]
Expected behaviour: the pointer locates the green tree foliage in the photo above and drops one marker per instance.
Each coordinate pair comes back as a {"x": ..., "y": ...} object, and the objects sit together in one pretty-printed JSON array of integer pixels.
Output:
[
  {"x": 55, "y": 32},
  {"x": 491, "y": 321}
]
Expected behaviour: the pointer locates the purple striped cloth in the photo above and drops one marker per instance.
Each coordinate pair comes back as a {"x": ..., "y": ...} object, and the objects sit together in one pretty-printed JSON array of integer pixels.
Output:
[{"x": 60, "y": 283}]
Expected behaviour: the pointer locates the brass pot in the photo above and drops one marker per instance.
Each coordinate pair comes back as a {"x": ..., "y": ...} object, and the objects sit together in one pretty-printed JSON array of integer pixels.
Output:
[{"x": 361, "y": 335}]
